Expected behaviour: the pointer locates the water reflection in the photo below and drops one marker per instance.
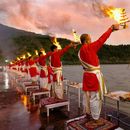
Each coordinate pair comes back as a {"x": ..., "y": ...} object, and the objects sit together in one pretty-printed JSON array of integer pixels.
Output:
[
  {"x": 24, "y": 100},
  {"x": 6, "y": 80}
]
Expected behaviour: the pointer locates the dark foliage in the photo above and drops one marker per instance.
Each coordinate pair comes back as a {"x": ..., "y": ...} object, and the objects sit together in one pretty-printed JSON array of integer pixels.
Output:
[{"x": 107, "y": 54}]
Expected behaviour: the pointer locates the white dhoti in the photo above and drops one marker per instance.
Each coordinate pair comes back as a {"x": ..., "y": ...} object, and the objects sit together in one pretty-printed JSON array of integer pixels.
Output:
[
  {"x": 58, "y": 90},
  {"x": 34, "y": 79},
  {"x": 58, "y": 85},
  {"x": 49, "y": 86},
  {"x": 43, "y": 82},
  {"x": 92, "y": 104},
  {"x": 92, "y": 100}
]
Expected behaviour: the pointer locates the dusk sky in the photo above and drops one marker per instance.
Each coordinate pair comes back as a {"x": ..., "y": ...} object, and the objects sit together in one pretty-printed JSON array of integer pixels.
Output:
[{"x": 59, "y": 17}]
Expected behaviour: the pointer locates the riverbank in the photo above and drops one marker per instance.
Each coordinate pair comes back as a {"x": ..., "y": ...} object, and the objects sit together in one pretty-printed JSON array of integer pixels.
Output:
[{"x": 15, "y": 116}]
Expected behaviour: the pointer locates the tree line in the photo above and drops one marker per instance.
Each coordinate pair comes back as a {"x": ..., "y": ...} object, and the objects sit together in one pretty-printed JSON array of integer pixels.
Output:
[{"x": 109, "y": 54}]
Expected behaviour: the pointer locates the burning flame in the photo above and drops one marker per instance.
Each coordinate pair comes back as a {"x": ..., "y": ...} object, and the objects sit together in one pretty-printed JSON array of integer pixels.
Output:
[
  {"x": 43, "y": 51},
  {"x": 119, "y": 14},
  {"x": 11, "y": 63},
  {"x": 36, "y": 52},
  {"x": 29, "y": 54},
  {"x": 115, "y": 13},
  {"x": 18, "y": 58},
  {"x": 76, "y": 36},
  {"x": 23, "y": 56},
  {"x": 56, "y": 43}
]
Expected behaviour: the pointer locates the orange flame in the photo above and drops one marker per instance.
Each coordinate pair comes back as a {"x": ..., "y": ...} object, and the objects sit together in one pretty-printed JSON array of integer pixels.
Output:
[
  {"x": 29, "y": 54},
  {"x": 18, "y": 58},
  {"x": 43, "y": 51},
  {"x": 11, "y": 63},
  {"x": 36, "y": 52},
  {"x": 56, "y": 43},
  {"x": 118, "y": 14},
  {"x": 23, "y": 56},
  {"x": 76, "y": 36}
]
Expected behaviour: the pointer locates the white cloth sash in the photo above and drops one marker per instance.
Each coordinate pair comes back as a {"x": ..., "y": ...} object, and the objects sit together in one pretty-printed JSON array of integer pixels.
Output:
[
  {"x": 44, "y": 68},
  {"x": 95, "y": 70},
  {"x": 58, "y": 72}
]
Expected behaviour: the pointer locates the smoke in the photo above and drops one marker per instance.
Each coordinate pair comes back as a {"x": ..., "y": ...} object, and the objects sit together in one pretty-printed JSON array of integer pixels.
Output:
[{"x": 48, "y": 16}]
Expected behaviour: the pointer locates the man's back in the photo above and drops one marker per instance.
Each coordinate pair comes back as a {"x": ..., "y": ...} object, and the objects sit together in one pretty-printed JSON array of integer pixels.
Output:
[{"x": 88, "y": 54}]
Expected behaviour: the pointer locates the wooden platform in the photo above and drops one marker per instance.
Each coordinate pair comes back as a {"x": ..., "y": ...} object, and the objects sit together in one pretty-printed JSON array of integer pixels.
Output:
[
  {"x": 39, "y": 93},
  {"x": 51, "y": 102},
  {"x": 30, "y": 87}
]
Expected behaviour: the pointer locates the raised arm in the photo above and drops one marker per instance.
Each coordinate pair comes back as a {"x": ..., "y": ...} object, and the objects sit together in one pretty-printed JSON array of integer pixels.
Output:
[
  {"x": 48, "y": 54},
  {"x": 98, "y": 44},
  {"x": 65, "y": 49}
]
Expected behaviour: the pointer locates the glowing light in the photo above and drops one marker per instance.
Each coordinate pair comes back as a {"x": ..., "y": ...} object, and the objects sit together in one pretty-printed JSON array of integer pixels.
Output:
[
  {"x": 18, "y": 58},
  {"x": 56, "y": 43},
  {"x": 43, "y": 51},
  {"x": 23, "y": 56},
  {"x": 24, "y": 100},
  {"x": 76, "y": 36},
  {"x": 118, "y": 14},
  {"x": 6, "y": 81},
  {"x": 29, "y": 54},
  {"x": 11, "y": 63},
  {"x": 36, "y": 52},
  {"x": 6, "y": 61}
]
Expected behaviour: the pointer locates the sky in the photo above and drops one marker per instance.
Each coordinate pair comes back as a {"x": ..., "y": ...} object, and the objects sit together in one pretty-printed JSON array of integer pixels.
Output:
[{"x": 59, "y": 17}]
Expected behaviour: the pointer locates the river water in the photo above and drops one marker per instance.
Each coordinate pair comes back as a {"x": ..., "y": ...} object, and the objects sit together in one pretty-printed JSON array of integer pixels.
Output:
[{"x": 117, "y": 77}]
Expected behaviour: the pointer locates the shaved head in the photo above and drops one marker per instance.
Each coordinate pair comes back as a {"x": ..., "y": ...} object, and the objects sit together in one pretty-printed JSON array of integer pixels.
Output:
[{"x": 85, "y": 38}]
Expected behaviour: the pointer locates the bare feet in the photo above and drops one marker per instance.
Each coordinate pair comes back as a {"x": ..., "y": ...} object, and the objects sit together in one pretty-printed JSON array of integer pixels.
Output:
[
  {"x": 99, "y": 122},
  {"x": 96, "y": 122}
]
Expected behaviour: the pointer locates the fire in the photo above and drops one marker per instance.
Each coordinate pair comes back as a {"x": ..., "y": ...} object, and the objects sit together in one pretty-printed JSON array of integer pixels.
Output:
[
  {"x": 115, "y": 13},
  {"x": 56, "y": 43},
  {"x": 43, "y": 51},
  {"x": 18, "y": 58},
  {"x": 23, "y": 56},
  {"x": 11, "y": 63},
  {"x": 36, "y": 52},
  {"x": 118, "y": 14},
  {"x": 76, "y": 36},
  {"x": 29, "y": 54}
]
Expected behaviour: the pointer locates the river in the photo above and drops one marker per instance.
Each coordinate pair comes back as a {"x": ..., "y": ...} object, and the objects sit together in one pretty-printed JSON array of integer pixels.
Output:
[{"x": 117, "y": 76}]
